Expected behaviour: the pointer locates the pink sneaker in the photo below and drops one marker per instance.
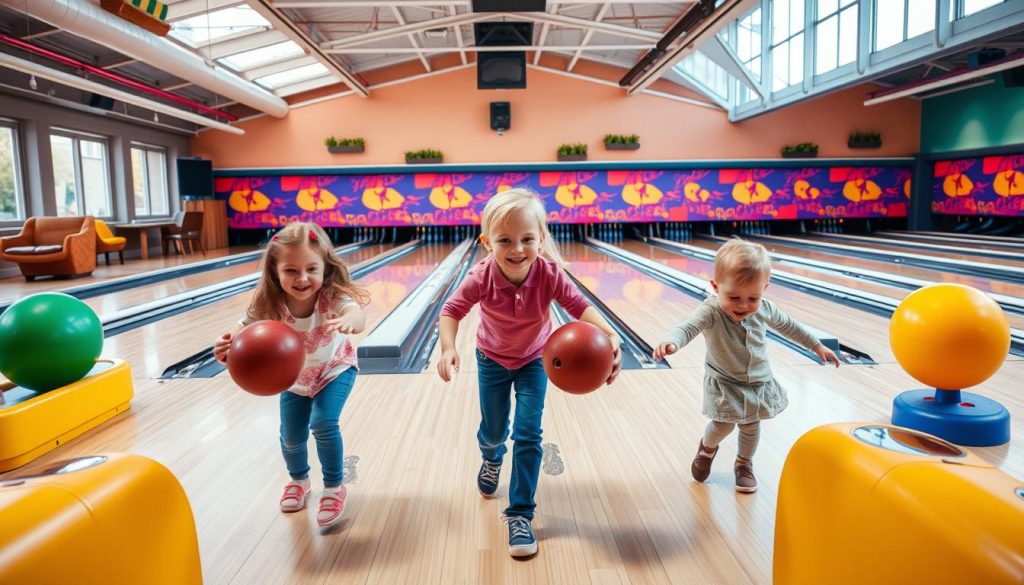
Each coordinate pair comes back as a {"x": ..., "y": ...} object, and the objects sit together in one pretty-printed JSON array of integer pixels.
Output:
[
  {"x": 331, "y": 507},
  {"x": 294, "y": 497}
]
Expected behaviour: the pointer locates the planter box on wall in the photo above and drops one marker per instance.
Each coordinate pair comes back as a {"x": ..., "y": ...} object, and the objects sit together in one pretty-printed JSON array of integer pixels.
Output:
[
  {"x": 800, "y": 155},
  {"x": 423, "y": 161},
  {"x": 337, "y": 149},
  {"x": 864, "y": 143},
  {"x": 622, "y": 146},
  {"x": 571, "y": 157}
]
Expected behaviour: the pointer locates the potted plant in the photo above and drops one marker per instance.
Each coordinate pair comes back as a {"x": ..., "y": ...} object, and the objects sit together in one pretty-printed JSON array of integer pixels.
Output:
[
  {"x": 344, "y": 144},
  {"x": 423, "y": 157},
  {"x": 865, "y": 140},
  {"x": 572, "y": 152},
  {"x": 621, "y": 142},
  {"x": 802, "y": 150}
]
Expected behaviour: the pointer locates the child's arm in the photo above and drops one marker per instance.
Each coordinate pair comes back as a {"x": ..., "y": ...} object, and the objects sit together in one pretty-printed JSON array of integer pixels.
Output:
[
  {"x": 685, "y": 332},
  {"x": 351, "y": 320},
  {"x": 797, "y": 333},
  {"x": 590, "y": 315},
  {"x": 222, "y": 344},
  {"x": 449, "y": 362}
]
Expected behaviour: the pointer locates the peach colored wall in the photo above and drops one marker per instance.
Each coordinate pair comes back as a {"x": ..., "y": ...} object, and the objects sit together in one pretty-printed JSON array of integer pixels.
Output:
[{"x": 446, "y": 112}]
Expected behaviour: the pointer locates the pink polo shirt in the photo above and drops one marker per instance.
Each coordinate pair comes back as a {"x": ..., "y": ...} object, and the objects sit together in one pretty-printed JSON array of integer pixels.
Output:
[{"x": 515, "y": 321}]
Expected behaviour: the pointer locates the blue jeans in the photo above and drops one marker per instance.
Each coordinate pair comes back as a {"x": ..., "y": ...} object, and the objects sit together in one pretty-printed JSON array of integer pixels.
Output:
[
  {"x": 320, "y": 414},
  {"x": 496, "y": 383}
]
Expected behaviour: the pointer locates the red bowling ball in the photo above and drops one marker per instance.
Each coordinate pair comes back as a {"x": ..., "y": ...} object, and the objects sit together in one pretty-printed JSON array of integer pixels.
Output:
[
  {"x": 578, "y": 357},
  {"x": 266, "y": 358}
]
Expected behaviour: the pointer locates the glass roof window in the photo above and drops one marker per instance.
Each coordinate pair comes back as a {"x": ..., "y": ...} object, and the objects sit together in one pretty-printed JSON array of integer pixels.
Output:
[
  {"x": 203, "y": 29},
  {"x": 706, "y": 72},
  {"x": 262, "y": 56},
  {"x": 296, "y": 75}
]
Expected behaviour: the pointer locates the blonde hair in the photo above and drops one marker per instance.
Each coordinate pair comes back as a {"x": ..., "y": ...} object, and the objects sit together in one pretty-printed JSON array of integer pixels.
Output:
[
  {"x": 266, "y": 302},
  {"x": 741, "y": 262},
  {"x": 520, "y": 200}
]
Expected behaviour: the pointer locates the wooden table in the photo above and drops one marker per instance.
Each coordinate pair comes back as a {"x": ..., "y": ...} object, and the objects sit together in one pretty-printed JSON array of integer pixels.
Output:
[{"x": 142, "y": 228}]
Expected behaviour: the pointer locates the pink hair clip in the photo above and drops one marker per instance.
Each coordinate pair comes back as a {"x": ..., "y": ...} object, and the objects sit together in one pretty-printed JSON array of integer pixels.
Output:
[
  {"x": 274, "y": 239},
  {"x": 312, "y": 236}
]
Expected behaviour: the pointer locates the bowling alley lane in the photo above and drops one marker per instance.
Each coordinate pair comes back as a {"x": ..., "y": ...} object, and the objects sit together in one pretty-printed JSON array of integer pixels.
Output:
[
  {"x": 895, "y": 247},
  {"x": 109, "y": 303},
  {"x": 855, "y": 328},
  {"x": 153, "y": 348}
]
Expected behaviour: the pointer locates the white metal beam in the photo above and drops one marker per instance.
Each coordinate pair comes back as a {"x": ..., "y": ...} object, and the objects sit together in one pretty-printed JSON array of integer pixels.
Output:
[
  {"x": 552, "y": 9},
  {"x": 407, "y": 50},
  {"x": 585, "y": 24},
  {"x": 189, "y": 8},
  {"x": 723, "y": 55},
  {"x": 399, "y": 31},
  {"x": 587, "y": 35},
  {"x": 241, "y": 44},
  {"x": 458, "y": 36},
  {"x": 277, "y": 67},
  {"x": 412, "y": 36}
]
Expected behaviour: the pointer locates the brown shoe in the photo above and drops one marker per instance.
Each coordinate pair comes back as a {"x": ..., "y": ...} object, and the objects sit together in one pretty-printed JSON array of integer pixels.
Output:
[
  {"x": 745, "y": 480},
  {"x": 701, "y": 466}
]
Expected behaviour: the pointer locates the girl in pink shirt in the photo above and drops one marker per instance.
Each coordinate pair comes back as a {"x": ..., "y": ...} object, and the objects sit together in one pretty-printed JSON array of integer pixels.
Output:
[
  {"x": 307, "y": 286},
  {"x": 514, "y": 287}
]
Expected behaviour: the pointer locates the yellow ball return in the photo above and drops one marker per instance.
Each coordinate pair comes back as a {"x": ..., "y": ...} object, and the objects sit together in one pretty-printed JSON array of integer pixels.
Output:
[
  {"x": 34, "y": 423},
  {"x": 97, "y": 520}
]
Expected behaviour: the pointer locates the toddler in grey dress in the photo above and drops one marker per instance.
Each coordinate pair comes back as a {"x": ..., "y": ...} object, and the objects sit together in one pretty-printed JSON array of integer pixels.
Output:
[{"x": 739, "y": 388}]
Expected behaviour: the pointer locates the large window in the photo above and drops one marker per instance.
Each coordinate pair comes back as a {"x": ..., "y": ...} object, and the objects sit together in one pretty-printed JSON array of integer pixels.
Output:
[
  {"x": 899, "y": 20},
  {"x": 149, "y": 180},
  {"x": 81, "y": 175},
  {"x": 747, "y": 44},
  {"x": 706, "y": 72},
  {"x": 969, "y": 7},
  {"x": 10, "y": 174},
  {"x": 787, "y": 43},
  {"x": 836, "y": 30}
]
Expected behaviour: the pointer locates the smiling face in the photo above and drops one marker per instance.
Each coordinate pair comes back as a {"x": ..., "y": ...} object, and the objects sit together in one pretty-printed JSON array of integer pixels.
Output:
[
  {"x": 515, "y": 244},
  {"x": 300, "y": 270},
  {"x": 740, "y": 301}
]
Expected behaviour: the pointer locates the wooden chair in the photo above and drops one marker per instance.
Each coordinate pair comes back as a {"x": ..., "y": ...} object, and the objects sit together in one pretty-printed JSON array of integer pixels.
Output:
[
  {"x": 107, "y": 242},
  {"x": 167, "y": 231},
  {"x": 190, "y": 231}
]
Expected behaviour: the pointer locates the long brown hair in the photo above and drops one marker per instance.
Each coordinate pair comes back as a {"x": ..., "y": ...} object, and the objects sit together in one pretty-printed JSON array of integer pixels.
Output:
[{"x": 266, "y": 302}]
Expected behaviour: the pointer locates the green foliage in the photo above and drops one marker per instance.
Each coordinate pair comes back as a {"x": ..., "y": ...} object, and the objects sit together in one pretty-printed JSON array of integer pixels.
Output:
[
  {"x": 577, "y": 148},
  {"x": 865, "y": 136},
  {"x": 802, "y": 147},
  {"x": 8, "y": 204},
  {"x": 621, "y": 139},
  {"x": 425, "y": 153},
  {"x": 331, "y": 142}
]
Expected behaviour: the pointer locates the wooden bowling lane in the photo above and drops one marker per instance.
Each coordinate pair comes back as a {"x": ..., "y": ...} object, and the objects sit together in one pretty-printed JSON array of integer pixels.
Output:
[
  {"x": 895, "y": 246},
  {"x": 954, "y": 239},
  {"x": 858, "y": 329},
  {"x": 116, "y": 301},
  {"x": 648, "y": 306},
  {"x": 154, "y": 347},
  {"x": 841, "y": 260}
]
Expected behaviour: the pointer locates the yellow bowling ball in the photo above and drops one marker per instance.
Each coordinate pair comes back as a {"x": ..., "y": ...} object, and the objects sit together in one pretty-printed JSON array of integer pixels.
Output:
[{"x": 949, "y": 336}]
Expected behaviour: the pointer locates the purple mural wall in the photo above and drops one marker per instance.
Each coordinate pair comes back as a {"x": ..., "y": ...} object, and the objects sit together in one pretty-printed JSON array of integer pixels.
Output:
[
  {"x": 456, "y": 198},
  {"x": 991, "y": 185}
]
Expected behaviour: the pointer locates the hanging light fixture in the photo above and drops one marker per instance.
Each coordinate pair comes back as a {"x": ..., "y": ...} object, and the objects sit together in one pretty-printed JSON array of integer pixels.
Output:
[{"x": 33, "y": 83}]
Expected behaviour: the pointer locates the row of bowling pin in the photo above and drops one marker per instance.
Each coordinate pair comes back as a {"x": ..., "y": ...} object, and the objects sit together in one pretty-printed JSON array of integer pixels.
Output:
[
  {"x": 829, "y": 226},
  {"x": 753, "y": 228},
  {"x": 610, "y": 232},
  {"x": 675, "y": 230}
]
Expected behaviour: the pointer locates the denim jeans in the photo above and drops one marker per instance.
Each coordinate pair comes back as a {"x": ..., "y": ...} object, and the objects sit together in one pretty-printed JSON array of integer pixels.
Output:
[
  {"x": 320, "y": 414},
  {"x": 496, "y": 383}
]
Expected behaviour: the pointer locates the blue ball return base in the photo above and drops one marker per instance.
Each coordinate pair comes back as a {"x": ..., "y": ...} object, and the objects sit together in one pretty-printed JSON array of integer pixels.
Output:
[{"x": 958, "y": 417}]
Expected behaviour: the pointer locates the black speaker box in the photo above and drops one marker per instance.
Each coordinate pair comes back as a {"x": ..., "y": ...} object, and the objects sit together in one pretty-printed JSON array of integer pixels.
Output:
[
  {"x": 509, "y": 5},
  {"x": 501, "y": 115},
  {"x": 101, "y": 101},
  {"x": 1014, "y": 77},
  {"x": 501, "y": 70},
  {"x": 503, "y": 34}
]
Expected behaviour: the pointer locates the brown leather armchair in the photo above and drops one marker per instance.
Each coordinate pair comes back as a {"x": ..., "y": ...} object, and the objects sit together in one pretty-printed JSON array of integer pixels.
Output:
[{"x": 58, "y": 246}]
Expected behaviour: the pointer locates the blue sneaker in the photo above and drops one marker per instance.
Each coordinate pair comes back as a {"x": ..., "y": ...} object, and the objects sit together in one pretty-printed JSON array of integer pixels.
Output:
[
  {"x": 487, "y": 478},
  {"x": 521, "y": 541}
]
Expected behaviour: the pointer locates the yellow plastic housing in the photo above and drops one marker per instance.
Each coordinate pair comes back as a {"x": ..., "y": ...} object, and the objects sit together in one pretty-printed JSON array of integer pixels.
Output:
[
  {"x": 124, "y": 520},
  {"x": 929, "y": 512},
  {"x": 36, "y": 426}
]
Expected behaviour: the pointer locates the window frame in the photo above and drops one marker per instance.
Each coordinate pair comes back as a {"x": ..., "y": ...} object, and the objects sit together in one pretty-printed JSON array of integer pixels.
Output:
[
  {"x": 76, "y": 137},
  {"x": 17, "y": 166},
  {"x": 853, "y": 5},
  {"x": 773, "y": 47},
  {"x": 146, "y": 149}
]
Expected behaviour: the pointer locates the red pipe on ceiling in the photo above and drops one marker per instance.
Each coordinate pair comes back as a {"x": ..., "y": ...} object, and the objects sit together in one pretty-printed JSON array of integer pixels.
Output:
[{"x": 16, "y": 42}]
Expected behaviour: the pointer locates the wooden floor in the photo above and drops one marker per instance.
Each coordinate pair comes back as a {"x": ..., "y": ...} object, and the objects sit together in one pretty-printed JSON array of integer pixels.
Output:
[{"x": 616, "y": 503}]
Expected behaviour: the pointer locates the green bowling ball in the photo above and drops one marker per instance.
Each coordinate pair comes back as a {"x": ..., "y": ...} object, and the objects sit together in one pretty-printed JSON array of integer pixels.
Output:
[{"x": 48, "y": 340}]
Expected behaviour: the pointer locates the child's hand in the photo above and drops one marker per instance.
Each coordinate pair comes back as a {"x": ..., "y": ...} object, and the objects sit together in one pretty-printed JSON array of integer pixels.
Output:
[
  {"x": 664, "y": 348},
  {"x": 617, "y": 364},
  {"x": 825, "y": 354},
  {"x": 346, "y": 324},
  {"x": 448, "y": 364},
  {"x": 220, "y": 348}
]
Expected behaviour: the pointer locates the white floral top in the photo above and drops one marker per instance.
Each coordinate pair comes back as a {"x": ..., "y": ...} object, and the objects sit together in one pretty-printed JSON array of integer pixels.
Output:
[{"x": 328, "y": 354}]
